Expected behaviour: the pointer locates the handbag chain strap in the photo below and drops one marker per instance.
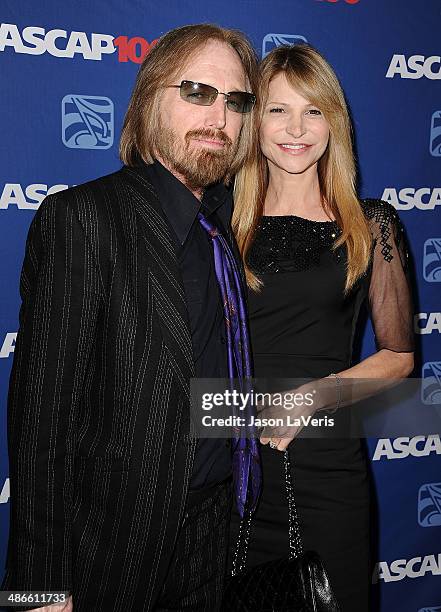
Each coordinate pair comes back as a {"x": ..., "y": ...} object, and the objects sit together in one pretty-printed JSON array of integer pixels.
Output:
[{"x": 294, "y": 536}]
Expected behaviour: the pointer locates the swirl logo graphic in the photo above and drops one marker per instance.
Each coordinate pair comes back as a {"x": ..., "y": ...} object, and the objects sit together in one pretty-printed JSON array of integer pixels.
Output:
[
  {"x": 87, "y": 122},
  {"x": 435, "y": 134},
  {"x": 429, "y": 505},
  {"x": 432, "y": 260},
  {"x": 271, "y": 41},
  {"x": 431, "y": 383}
]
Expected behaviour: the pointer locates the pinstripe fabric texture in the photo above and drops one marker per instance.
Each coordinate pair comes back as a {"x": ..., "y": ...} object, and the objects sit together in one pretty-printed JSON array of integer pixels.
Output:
[
  {"x": 98, "y": 407},
  {"x": 195, "y": 581}
]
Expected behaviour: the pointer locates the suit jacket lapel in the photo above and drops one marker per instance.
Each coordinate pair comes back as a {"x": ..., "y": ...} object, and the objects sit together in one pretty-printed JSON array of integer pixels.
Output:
[{"x": 165, "y": 276}]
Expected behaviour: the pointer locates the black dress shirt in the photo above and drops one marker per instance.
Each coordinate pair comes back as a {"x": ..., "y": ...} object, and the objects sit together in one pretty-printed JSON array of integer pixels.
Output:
[{"x": 212, "y": 462}]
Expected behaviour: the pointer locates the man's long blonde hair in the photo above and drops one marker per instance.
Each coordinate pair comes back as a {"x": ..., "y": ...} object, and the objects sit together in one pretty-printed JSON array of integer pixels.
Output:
[{"x": 313, "y": 78}]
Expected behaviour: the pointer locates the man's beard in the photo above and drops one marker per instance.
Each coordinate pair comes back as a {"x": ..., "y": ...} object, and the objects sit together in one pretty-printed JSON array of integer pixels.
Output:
[{"x": 199, "y": 167}]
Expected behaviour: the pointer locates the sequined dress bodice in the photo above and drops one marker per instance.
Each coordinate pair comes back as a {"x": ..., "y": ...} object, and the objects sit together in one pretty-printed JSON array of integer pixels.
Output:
[
  {"x": 290, "y": 243},
  {"x": 299, "y": 320}
]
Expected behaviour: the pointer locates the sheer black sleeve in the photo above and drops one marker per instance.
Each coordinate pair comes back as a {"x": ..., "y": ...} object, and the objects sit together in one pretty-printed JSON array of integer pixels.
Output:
[{"x": 390, "y": 298}]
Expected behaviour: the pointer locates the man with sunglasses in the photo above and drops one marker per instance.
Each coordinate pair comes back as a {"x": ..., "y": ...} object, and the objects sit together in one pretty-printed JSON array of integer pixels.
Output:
[{"x": 112, "y": 500}]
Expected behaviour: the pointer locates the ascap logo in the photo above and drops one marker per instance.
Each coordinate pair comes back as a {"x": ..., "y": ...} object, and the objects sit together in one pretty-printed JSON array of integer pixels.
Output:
[
  {"x": 427, "y": 322},
  {"x": 4, "y": 494},
  {"x": 34, "y": 40},
  {"x": 87, "y": 122},
  {"x": 8, "y": 345},
  {"x": 416, "y": 67},
  {"x": 270, "y": 41},
  {"x": 423, "y": 198},
  {"x": 432, "y": 260},
  {"x": 435, "y": 134},
  {"x": 27, "y": 198},
  {"x": 399, "y": 448},
  {"x": 429, "y": 505},
  {"x": 431, "y": 383},
  {"x": 58, "y": 43},
  {"x": 401, "y": 568}
]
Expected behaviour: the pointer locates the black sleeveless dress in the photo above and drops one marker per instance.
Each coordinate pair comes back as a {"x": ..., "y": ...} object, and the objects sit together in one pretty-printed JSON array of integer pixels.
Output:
[{"x": 302, "y": 325}]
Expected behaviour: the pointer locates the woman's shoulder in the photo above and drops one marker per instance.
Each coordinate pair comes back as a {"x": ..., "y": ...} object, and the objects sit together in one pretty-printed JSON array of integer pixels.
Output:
[
  {"x": 385, "y": 225},
  {"x": 379, "y": 210},
  {"x": 382, "y": 217}
]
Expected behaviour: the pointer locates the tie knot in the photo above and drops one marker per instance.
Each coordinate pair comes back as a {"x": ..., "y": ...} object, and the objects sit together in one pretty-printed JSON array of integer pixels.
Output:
[{"x": 209, "y": 227}]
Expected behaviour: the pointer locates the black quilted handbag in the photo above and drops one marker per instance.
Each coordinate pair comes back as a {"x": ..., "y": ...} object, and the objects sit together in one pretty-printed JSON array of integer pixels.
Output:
[{"x": 296, "y": 584}]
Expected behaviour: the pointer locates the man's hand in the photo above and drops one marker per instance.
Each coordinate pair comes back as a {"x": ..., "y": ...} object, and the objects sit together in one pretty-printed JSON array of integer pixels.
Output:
[{"x": 65, "y": 607}]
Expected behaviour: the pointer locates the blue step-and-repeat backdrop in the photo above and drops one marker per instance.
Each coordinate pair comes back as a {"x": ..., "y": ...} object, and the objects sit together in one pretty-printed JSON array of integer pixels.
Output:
[{"x": 67, "y": 71}]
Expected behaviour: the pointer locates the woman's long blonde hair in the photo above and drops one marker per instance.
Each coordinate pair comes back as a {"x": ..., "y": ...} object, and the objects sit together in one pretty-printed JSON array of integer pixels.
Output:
[{"x": 312, "y": 77}]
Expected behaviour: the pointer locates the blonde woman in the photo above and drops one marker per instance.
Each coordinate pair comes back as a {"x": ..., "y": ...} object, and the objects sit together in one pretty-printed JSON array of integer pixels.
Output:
[{"x": 313, "y": 253}]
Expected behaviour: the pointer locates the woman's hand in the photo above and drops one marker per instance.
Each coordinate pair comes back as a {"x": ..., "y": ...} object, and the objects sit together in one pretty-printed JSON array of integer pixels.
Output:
[
  {"x": 285, "y": 420},
  {"x": 375, "y": 374}
]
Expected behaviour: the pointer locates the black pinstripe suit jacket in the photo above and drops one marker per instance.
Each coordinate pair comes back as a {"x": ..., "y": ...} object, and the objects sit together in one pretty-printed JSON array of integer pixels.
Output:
[{"x": 98, "y": 414}]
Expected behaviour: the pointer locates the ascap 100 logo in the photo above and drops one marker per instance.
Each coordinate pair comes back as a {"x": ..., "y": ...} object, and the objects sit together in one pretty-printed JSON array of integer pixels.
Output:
[
  {"x": 87, "y": 122},
  {"x": 34, "y": 40},
  {"x": 416, "y": 67},
  {"x": 429, "y": 505},
  {"x": 271, "y": 41}
]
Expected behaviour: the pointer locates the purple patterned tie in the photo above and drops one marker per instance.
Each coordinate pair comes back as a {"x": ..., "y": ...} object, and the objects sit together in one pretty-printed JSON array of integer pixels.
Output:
[{"x": 247, "y": 475}]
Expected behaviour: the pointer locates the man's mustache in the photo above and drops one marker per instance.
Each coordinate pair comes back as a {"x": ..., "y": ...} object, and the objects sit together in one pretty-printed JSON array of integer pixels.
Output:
[{"x": 209, "y": 135}]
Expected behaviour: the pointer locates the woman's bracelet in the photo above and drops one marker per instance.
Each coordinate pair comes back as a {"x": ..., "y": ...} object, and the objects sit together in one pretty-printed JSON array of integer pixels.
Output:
[{"x": 339, "y": 393}]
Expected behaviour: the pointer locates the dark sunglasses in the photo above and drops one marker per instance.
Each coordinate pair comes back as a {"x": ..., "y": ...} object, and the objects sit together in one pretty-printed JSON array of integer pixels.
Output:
[{"x": 205, "y": 95}]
